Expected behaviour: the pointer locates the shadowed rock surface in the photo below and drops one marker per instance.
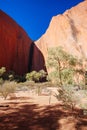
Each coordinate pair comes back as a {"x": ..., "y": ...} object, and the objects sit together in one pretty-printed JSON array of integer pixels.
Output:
[{"x": 17, "y": 51}]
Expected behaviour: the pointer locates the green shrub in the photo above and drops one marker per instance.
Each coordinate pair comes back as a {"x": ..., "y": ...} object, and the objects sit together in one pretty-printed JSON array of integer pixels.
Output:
[
  {"x": 36, "y": 76},
  {"x": 66, "y": 95},
  {"x": 2, "y": 71},
  {"x": 19, "y": 78},
  {"x": 73, "y": 96},
  {"x": 1, "y": 81}
]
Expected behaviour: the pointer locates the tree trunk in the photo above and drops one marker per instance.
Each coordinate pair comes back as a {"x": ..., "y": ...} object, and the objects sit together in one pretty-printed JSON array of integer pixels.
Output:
[{"x": 59, "y": 70}]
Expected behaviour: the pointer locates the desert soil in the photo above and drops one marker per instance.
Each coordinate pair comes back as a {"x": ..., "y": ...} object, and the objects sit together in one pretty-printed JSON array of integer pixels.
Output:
[{"x": 32, "y": 112}]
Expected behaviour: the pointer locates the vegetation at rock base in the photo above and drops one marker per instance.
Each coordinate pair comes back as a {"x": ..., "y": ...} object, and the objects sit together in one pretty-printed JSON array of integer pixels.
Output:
[
  {"x": 64, "y": 68},
  {"x": 9, "y": 80},
  {"x": 67, "y": 72},
  {"x": 36, "y": 76}
]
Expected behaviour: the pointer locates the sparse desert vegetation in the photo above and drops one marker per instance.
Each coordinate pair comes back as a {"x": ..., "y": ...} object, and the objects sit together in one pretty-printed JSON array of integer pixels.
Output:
[{"x": 60, "y": 95}]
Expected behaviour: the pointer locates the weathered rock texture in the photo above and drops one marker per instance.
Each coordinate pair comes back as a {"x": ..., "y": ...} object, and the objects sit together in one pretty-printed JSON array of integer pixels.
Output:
[
  {"x": 17, "y": 51},
  {"x": 20, "y": 54},
  {"x": 68, "y": 30}
]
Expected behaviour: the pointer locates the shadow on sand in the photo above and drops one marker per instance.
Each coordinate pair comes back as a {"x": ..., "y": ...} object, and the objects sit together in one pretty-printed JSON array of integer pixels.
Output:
[{"x": 29, "y": 116}]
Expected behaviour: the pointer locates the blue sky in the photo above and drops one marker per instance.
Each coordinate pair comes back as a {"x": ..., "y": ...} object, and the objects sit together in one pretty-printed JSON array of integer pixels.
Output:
[{"x": 35, "y": 15}]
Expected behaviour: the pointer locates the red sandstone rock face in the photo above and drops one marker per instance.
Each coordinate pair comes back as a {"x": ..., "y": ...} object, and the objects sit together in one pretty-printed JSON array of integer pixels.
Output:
[
  {"x": 14, "y": 45},
  {"x": 68, "y": 30},
  {"x": 16, "y": 51},
  {"x": 38, "y": 62}
]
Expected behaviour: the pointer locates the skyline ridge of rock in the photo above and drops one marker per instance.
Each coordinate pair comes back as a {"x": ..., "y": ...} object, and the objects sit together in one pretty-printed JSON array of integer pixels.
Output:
[
  {"x": 68, "y": 30},
  {"x": 17, "y": 51},
  {"x": 20, "y": 54}
]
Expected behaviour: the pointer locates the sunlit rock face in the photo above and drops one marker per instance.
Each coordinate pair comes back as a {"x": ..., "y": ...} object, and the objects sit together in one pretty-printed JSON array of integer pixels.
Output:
[
  {"x": 68, "y": 30},
  {"x": 16, "y": 51}
]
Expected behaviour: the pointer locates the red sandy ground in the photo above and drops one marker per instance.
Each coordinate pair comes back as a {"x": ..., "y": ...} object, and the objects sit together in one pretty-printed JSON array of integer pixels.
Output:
[{"x": 35, "y": 113}]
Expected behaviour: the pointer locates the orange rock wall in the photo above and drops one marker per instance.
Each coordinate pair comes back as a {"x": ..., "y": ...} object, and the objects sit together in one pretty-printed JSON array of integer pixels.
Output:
[
  {"x": 16, "y": 48},
  {"x": 68, "y": 30}
]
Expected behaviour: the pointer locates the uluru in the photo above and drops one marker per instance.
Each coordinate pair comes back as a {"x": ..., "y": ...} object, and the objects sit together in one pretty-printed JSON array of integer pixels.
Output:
[
  {"x": 18, "y": 52},
  {"x": 68, "y": 30}
]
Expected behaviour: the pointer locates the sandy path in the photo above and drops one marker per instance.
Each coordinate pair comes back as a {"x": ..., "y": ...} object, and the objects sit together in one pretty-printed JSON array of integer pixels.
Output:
[
  {"x": 31, "y": 97},
  {"x": 32, "y": 112}
]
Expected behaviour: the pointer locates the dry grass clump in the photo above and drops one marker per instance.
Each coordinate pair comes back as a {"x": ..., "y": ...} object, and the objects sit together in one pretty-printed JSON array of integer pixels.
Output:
[{"x": 7, "y": 88}]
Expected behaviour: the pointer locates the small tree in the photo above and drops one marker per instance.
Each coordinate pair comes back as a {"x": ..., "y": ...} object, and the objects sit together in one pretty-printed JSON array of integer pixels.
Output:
[
  {"x": 64, "y": 67},
  {"x": 67, "y": 76},
  {"x": 62, "y": 64}
]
